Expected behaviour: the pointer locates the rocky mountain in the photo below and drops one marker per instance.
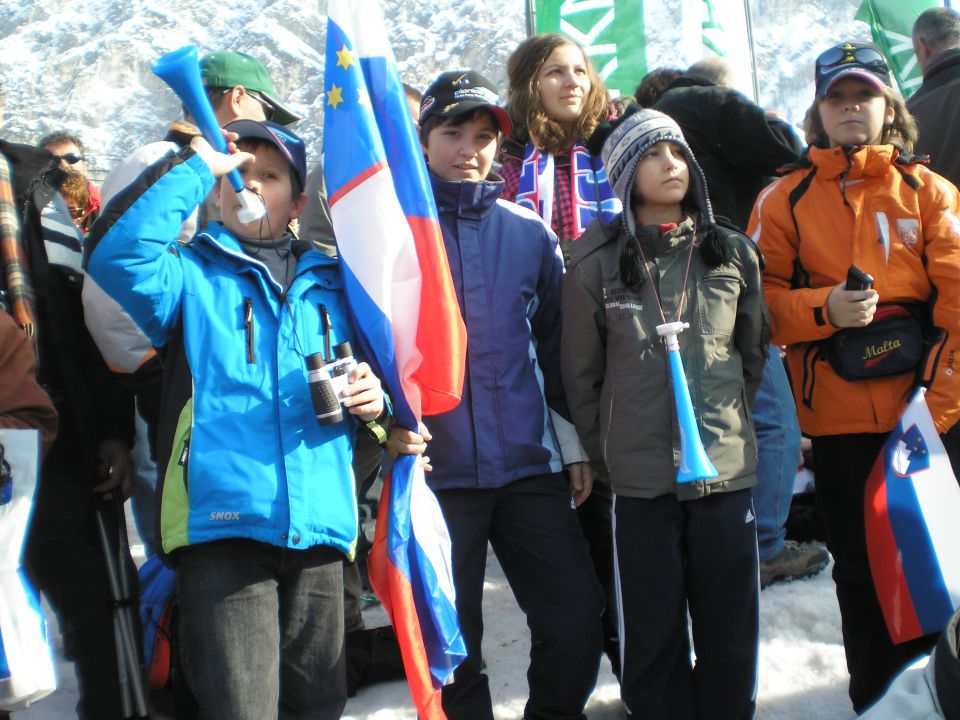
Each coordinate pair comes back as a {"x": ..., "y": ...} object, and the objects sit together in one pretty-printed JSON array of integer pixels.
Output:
[{"x": 84, "y": 65}]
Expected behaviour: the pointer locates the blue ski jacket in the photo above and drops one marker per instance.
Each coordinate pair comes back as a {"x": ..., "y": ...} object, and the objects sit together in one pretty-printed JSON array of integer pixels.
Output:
[
  {"x": 240, "y": 451},
  {"x": 512, "y": 421}
]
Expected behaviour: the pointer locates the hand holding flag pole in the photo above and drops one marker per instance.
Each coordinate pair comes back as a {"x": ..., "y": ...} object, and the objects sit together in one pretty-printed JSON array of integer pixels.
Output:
[{"x": 694, "y": 463}]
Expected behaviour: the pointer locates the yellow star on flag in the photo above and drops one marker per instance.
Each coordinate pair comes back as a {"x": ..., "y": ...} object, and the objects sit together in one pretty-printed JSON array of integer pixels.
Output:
[
  {"x": 363, "y": 97},
  {"x": 344, "y": 58},
  {"x": 334, "y": 96}
]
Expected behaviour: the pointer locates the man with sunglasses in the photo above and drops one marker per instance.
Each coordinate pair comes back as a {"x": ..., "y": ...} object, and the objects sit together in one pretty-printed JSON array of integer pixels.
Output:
[
  {"x": 82, "y": 196},
  {"x": 936, "y": 105}
]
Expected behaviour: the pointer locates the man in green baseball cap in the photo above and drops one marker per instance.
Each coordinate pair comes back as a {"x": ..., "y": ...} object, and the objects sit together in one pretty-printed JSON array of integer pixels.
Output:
[{"x": 245, "y": 80}]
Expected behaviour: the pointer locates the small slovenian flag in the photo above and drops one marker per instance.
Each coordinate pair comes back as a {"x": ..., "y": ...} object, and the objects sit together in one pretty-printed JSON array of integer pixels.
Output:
[
  {"x": 911, "y": 509},
  {"x": 398, "y": 284}
]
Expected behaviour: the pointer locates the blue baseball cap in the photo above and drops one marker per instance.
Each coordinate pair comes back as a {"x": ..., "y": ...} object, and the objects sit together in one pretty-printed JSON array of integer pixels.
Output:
[{"x": 288, "y": 144}]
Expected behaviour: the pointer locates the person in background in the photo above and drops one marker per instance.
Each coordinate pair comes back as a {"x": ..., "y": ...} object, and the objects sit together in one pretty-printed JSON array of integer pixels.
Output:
[
  {"x": 82, "y": 196},
  {"x": 40, "y": 288},
  {"x": 654, "y": 84},
  {"x": 936, "y": 105},
  {"x": 860, "y": 198},
  {"x": 555, "y": 101}
]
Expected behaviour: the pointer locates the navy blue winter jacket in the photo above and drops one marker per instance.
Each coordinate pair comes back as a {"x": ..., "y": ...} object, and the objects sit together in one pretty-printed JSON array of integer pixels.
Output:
[{"x": 507, "y": 272}]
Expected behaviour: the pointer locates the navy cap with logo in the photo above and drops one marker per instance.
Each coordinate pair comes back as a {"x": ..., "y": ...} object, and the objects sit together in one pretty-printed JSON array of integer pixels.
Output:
[
  {"x": 851, "y": 59},
  {"x": 460, "y": 91},
  {"x": 288, "y": 144}
]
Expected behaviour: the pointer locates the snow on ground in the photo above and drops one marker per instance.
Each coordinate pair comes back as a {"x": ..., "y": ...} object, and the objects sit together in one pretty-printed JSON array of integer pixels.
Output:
[{"x": 802, "y": 670}]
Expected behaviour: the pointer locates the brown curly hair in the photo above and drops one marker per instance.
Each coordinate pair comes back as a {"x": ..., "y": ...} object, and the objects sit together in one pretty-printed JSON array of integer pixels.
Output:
[
  {"x": 901, "y": 133},
  {"x": 530, "y": 120}
]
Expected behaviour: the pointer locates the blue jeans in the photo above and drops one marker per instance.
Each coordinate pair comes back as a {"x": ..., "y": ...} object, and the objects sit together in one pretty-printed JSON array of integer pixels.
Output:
[
  {"x": 778, "y": 445},
  {"x": 261, "y": 630}
]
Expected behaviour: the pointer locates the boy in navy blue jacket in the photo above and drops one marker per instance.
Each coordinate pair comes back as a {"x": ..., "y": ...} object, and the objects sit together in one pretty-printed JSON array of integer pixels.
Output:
[
  {"x": 498, "y": 458},
  {"x": 257, "y": 501}
]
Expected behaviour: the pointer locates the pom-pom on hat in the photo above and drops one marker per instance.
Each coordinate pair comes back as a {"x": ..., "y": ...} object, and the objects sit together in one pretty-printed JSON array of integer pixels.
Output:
[{"x": 625, "y": 141}]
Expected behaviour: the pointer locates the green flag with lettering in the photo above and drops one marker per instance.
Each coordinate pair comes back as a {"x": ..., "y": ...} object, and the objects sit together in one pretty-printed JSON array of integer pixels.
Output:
[
  {"x": 891, "y": 25},
  {"x": 611, "y": 31}
]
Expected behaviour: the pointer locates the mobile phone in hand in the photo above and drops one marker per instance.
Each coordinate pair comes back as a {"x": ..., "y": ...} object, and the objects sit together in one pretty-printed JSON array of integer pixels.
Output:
[{"x": 857, "y": 279}]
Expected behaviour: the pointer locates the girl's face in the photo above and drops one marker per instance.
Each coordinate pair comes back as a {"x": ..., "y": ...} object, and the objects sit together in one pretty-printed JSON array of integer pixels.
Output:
[
  {"x": 564, "y": 84},
  {"x": 662, "y": 178},
  {"x": 854, "y": 112}
]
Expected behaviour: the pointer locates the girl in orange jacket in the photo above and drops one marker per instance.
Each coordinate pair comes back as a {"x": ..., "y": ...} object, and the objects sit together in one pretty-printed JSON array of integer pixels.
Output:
[{"x": 859, "y": 198}]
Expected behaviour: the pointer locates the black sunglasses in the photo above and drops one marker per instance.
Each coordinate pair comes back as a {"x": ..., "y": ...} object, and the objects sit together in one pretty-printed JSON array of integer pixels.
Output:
[
  {"x": 848, "y": 54},
  {"x": 267, "y": 107},
  {"x": 69, "y": 158}
]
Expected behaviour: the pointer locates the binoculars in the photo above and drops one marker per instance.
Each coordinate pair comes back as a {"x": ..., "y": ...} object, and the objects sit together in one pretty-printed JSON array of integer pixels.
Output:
[{"x": 328, "y": 380}]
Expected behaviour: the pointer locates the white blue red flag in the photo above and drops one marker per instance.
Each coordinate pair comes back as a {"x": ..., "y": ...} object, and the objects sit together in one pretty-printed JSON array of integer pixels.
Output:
[
  {"x": 912, "y": 505},
  {"x": 397, "y": 281}
]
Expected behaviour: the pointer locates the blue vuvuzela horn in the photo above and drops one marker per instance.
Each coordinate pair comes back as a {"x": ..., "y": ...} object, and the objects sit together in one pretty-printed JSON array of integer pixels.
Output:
[
  {"x": 694, "y": 463},
  {"x": 180, "y": 69}
]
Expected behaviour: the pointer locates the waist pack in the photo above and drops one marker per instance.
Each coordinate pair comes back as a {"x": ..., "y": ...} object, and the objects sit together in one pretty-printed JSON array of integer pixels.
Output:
[{"x": 892, "y": 344}]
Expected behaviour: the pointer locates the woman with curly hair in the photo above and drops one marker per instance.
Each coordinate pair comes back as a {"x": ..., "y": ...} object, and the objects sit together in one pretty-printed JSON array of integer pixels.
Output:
[{"x": 556, "y": 101}]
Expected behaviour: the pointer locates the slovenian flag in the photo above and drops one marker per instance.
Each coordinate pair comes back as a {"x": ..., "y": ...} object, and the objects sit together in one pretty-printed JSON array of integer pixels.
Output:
[
  {"x": 397, "y": 281},
  {"x": 912, "y": 505}
]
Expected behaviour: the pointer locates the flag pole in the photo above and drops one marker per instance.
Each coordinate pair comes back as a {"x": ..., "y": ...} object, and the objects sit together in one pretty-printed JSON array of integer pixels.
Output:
[
  {"x": 748, "y": 17},
  {"x": 531, "y": 18}
]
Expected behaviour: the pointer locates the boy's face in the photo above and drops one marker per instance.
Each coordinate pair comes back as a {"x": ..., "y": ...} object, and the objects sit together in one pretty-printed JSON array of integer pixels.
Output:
[
  {"x": 463, "y": 152},
  {"x": 268, "y": 177}
]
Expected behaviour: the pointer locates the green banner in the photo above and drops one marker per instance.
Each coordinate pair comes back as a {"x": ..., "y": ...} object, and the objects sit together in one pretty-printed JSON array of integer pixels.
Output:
[
  {"x": 612, "y": 32},
  {"x": 891, "y": 25}
]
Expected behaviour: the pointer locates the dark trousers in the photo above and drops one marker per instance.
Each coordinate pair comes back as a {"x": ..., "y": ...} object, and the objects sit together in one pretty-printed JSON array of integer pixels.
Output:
[
  {"x": 64, "y": 559},
  {"x": 595, "y": 519},
  {"x": 535, "y": 534},
  {"x": 671, "y": 556},
  {"x": 261, "y": 630},
  {"x": 843, "y": 463}
]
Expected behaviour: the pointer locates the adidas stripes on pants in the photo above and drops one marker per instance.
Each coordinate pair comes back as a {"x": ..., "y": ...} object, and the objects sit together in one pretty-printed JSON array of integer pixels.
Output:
[{"x": 673, "y": 556}]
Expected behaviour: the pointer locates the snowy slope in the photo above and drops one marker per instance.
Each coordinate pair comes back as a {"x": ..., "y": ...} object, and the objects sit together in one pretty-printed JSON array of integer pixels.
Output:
[
  {"x": 84, "y": 65},
  {"x": 802, "y": 671}
]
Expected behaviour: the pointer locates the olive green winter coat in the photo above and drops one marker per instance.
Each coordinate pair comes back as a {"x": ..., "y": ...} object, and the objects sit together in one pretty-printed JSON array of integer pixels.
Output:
[{"x": 615, "y": 368}]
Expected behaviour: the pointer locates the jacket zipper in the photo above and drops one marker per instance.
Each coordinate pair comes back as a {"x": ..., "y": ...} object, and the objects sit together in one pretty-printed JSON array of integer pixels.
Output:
[
  {"x": 184, "y": 462},
  {"x": 248, "y": 329}
]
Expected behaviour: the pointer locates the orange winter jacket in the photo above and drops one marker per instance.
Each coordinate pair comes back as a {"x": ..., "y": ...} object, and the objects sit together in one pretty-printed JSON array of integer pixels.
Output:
[{"x": 894, "y": 219}]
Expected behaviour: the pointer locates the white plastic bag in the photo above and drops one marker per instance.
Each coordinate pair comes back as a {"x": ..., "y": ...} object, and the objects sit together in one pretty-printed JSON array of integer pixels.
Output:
[{"x": 26, "y": 662}]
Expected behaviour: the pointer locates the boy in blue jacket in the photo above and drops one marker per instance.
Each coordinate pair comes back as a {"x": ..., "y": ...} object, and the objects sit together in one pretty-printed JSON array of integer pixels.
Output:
[
  {"x": 257, "y": 504},
  {"x": 498, "y": 458}
]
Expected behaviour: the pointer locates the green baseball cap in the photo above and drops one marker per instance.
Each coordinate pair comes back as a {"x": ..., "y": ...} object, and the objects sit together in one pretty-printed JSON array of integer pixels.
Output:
[{"x": 227, "y": 69}]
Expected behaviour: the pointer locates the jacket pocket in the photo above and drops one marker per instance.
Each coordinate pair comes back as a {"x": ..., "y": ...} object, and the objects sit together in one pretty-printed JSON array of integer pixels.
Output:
[
  {"x": 719, "y": 293},
  {"x": 248, "y": 329}
]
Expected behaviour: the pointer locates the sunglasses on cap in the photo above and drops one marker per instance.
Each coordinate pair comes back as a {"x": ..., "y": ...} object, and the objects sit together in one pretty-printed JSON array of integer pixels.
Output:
[
  {"x": 69, "y": 158},
  {"x": 848, "y": 54}
]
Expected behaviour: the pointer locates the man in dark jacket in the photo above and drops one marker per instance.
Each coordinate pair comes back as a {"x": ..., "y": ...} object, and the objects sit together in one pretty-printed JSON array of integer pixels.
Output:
[
  {"x": 63, "y": 554},
  {"x": 737, "y": 143},
  {"x": 936, "y": 105}
]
